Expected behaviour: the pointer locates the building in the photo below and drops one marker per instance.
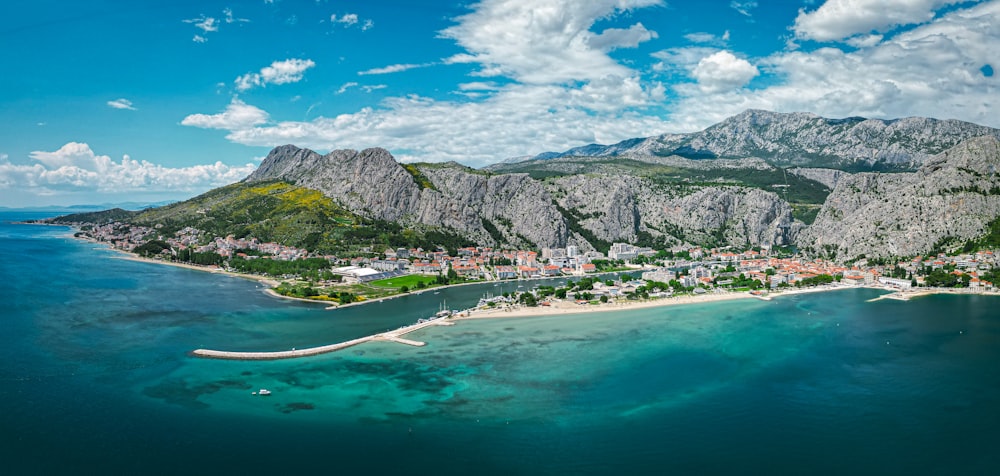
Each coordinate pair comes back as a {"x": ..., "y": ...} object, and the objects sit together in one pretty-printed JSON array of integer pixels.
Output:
[
  {"x": 623, "y": 251},
  {"x": 662, "y": 275},
  {"x": 354, "y": 274}
]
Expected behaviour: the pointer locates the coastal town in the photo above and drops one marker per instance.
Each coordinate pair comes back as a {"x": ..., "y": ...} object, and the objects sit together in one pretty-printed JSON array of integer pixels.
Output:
[{"x": 691, "y": 270}]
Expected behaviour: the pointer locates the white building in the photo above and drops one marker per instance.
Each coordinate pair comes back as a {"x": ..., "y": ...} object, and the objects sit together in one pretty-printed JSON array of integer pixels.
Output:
[{"x": 623, "y": 251}]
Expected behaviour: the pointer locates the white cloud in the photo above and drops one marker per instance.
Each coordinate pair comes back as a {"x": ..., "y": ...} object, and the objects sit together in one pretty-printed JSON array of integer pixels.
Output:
[
  {"x": 562, "y": 89},
  {"x": 228, "y": 12},
  {"x": 708, "y": 38},
  {"x": 837, "y": 20},
  {"x": 393, "y": 68},
  {"x": 349, "y": 20},
  {"x": 199, "y": 39},
  {"x": 479, "y": 86},
  {"x": 205, "y": 24},
  {"x": 723, "y": 71},
  {"x": 545, "y": 44},
  {"x": 238, "y": 115},
  {"x": 931, "y": 70},
  {"x": 343, "y": 89},
  {"x": 122, "y": 103},
  {"x": 743, "y": 7},
  {"x": 346, "y": 19},
  {"x": 75, "y": 167},
  {"x": 280, "y": 72},
  {"x": 373, "y": 87}
]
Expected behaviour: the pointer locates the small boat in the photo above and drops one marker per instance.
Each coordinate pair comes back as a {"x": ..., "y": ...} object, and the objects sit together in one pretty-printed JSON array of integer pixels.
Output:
[{"x": 263, "y": 392}]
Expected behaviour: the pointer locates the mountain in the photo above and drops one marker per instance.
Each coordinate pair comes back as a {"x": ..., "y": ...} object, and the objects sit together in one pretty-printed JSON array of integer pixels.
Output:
[
  {"x": 948, "y": 202},
  {"x": 853, "y": 144},
  {"x": 628, "y": 202},
  {"x": 351, "y": 200}
]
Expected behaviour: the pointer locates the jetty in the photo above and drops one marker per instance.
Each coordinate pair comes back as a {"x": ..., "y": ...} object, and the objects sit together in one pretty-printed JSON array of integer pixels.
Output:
[{"x": 391, "y": 336}]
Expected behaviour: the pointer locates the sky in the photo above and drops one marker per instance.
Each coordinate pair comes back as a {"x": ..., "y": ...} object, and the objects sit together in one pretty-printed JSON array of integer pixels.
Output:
[{"x": 108, "y": 101}]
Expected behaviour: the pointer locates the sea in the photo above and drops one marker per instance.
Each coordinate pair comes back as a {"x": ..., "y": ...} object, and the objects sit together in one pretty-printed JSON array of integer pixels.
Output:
[{"x": 96, "y": 377}]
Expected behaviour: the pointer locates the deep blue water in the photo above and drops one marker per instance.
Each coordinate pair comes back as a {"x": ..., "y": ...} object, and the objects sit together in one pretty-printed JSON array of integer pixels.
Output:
[{"x": 96, "y": 379}]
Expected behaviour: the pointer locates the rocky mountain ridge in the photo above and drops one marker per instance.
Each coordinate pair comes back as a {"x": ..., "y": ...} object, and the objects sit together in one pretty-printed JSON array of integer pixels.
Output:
[
  {"x": 586, "y": 210},
  {"x": 853, "y": 144}
]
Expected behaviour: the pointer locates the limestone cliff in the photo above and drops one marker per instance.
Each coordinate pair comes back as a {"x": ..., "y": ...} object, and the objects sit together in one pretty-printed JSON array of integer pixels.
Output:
[{"x": 950, "y": 198}]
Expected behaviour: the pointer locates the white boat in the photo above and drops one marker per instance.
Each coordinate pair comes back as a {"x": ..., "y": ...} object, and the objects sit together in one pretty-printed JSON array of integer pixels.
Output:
[{"x": 263, "y": 392}]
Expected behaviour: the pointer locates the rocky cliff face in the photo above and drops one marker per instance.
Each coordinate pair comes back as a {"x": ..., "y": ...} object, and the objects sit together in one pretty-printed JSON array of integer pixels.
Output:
[
  {"x": 371, "y": 183},
  {"x": 808, "y": 140},
  {"x": 607, "y": 206},
  {"x": 950, "y": 198}
]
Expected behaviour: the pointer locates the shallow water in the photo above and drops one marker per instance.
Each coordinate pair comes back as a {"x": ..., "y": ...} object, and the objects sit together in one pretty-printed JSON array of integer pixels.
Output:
[{"x": 97, "y": 378}]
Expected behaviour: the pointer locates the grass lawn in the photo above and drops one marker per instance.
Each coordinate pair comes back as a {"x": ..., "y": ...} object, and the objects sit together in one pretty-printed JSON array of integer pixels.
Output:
[{"x": 409, "y": 281}]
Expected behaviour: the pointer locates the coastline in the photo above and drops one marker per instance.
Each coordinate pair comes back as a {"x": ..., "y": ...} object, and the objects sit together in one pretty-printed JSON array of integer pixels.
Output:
[{"x": 569, "y": 307}]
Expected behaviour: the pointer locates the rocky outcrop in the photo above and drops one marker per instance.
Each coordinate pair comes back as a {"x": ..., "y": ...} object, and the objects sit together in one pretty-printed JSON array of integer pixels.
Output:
[{"x": 950, "y": 198}]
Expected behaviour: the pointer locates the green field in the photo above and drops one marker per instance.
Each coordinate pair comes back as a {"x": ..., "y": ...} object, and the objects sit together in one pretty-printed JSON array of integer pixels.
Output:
[{"x": 410, "y": 281}]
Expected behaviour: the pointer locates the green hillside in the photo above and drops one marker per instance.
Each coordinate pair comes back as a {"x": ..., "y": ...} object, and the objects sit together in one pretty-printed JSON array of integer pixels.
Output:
[{"x": 268, "y": 211}]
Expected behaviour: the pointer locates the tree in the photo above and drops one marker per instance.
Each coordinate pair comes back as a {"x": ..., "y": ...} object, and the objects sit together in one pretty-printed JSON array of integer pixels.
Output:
[
  {"x": 604, "y": 299},
  {"x": 404, "y": 289}
]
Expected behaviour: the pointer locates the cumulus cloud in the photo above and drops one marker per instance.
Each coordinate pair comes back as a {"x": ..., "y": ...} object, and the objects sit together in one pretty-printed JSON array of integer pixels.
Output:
[
  {"x": 546, "y": 44},
  {"x": 518, "y": 120},
  {"x": 280, "y": 72},
  {"x": 122, "y": 104},
  {"x": 723, "y": 71},
  {"x": 837, "y": 20},
  {"x": 561, "y": 89},
  {"x": 75, "y": 167},
  {"x": 931, "y": 70},
  {"x": 238, "y": 115}
]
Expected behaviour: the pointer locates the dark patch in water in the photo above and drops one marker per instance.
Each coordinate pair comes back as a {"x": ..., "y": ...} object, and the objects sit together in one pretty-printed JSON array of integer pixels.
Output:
[
  {"x": 181, "y": 393},
  {"x": 295, "y": 406}
]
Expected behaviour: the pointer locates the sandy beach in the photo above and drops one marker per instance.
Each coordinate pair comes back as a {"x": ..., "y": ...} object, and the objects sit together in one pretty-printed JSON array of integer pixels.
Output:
[{"x": 570, "y": 307}]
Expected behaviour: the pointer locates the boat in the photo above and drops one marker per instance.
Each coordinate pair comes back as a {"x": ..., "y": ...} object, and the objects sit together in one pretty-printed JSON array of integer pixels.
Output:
[
  {"x": 443, "y": 311},
  {"x": 263, "y": 392}
]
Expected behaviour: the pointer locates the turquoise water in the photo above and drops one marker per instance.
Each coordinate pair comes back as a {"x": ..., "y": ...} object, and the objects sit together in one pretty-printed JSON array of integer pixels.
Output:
[{"x": 96, "y": 378}]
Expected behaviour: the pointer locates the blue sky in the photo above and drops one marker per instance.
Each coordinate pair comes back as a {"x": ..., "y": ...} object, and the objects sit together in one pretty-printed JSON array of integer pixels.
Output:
[{"x": 105, "y": 101}]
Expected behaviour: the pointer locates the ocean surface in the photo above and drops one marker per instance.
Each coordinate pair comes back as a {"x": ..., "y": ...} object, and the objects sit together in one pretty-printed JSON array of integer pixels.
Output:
[{"x": 96, "y": 378}]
